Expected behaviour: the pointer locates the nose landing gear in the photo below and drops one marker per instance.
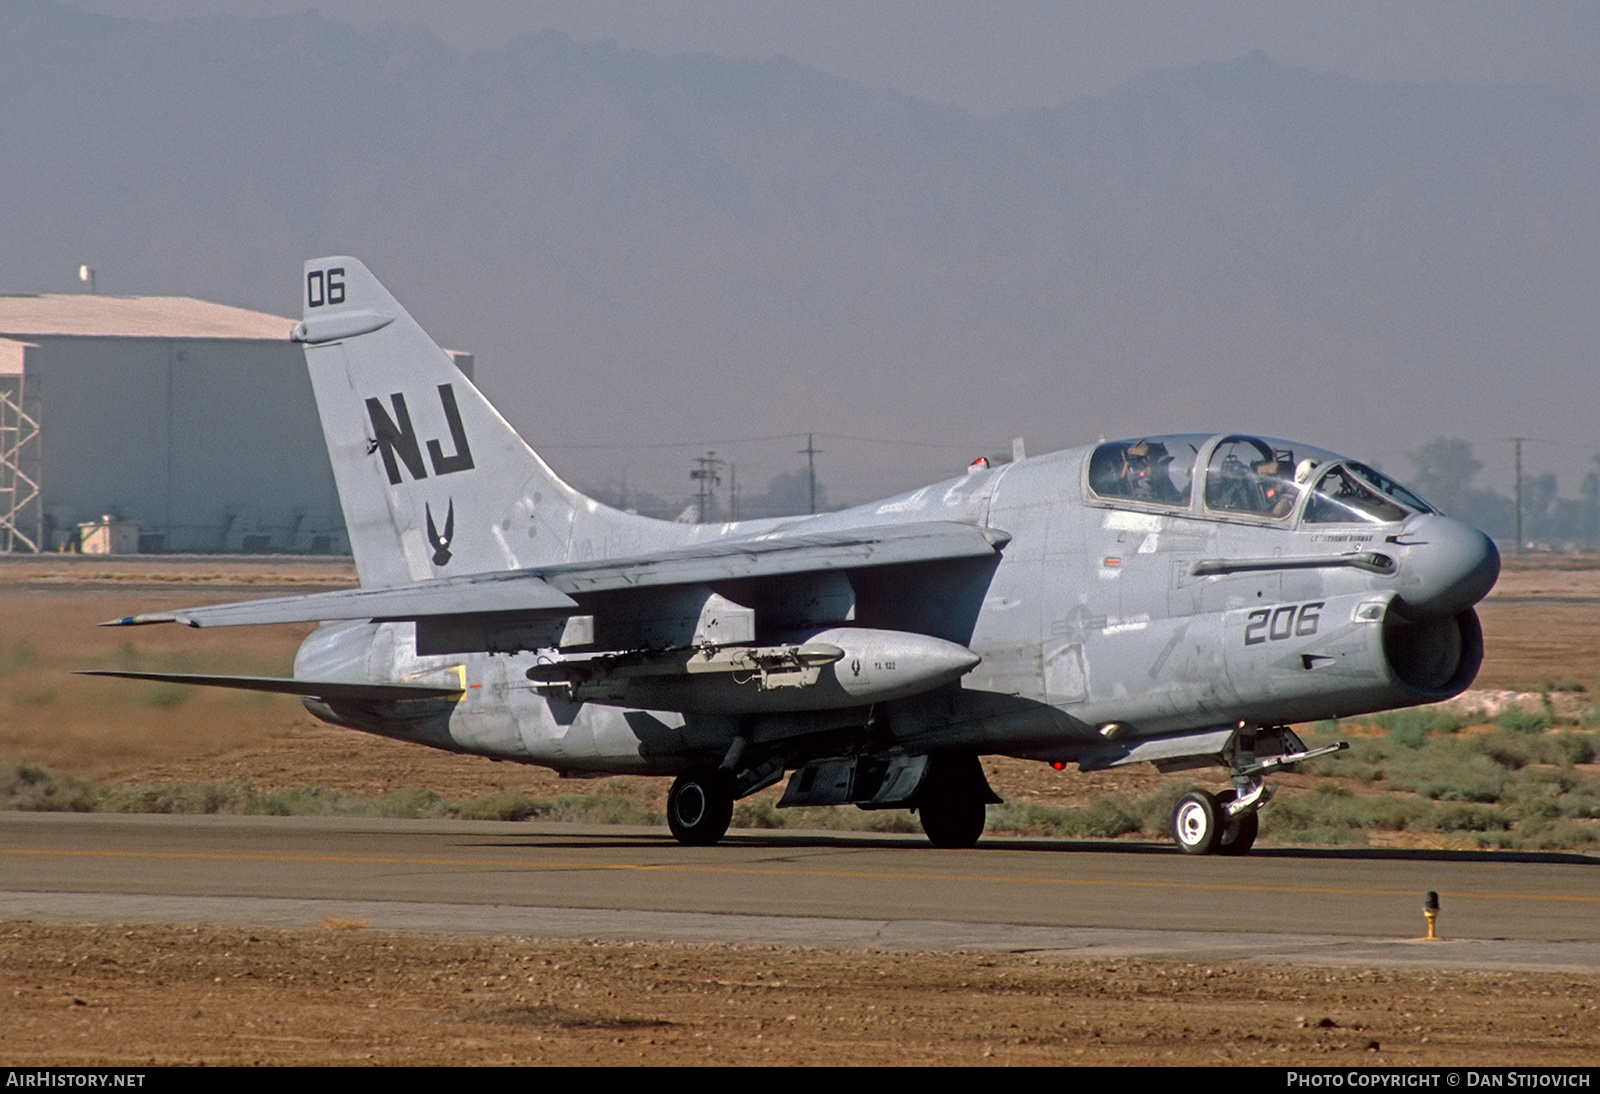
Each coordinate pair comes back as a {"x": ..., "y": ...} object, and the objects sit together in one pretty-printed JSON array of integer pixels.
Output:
[
  {"x": 1203, "y": 825},
  {"x": 1228, "y": 823}
]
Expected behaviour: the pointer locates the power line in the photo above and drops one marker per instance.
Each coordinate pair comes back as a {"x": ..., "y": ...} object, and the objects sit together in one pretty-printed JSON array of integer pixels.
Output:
[
  {"x": 673, "y": 444},
  {"x": 702, "y": 442}
]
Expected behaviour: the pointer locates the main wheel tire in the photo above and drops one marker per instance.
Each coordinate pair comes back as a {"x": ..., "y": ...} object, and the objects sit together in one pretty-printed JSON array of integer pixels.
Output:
[
  {"x": 700, "y": 807},
  {"x": 1238, "y": 833},
  {"x": 953, "y": 822},
  {"x": 950, "y": 804},
  {"x": 1197, "y": 823}
]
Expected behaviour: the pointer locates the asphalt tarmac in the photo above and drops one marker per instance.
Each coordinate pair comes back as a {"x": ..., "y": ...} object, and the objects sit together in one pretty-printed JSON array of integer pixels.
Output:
[{"x": 1533, "y": 911}]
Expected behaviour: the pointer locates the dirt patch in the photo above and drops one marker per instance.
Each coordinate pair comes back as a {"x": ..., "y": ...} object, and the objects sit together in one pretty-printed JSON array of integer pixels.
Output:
[{"x": 132, "y": 997}]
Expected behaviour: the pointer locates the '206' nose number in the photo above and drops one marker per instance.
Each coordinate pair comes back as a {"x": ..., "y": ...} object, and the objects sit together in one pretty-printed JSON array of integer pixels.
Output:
[{"x": 1284, "y": 621}]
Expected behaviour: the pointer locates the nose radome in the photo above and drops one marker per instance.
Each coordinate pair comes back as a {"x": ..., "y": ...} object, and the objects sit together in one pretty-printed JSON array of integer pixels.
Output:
[{"x": 1446, "y": 567}]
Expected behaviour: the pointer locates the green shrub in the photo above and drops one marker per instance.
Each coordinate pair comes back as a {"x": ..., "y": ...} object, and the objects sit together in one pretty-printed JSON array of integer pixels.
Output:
[
  {"x": 1518, "y": 720},
  {"x": 505, "y": 805},
  {"x": 408, "y": 801},
  {"x": 1103, "y": 818},
  {"x": 210, "y": 797},
  {"x": 758, "y": 813},
  {"x": 32, "y": 789},
  {"x": 1155, "y": 809},
  {"x": 1323, "y": 816},
  {"x": 1462, "y": 817},
  {"x": 1364, "y": 760},
  {"x": 602, "y": 808},
  {"x": 20, "y": 655},
  {"x": 1570, "y": 749},
  {"x": 303, "y": 801},
  {"x": 1536, "y": 835},
  {"x": 1412, "y": 726},
  {"x": 1448, "y": 770},
  {"x": 833, "y": 818}
]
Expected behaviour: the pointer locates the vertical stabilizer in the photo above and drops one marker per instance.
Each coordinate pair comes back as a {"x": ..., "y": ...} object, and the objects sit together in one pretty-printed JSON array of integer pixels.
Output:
[{"x": 432, "y": 480}]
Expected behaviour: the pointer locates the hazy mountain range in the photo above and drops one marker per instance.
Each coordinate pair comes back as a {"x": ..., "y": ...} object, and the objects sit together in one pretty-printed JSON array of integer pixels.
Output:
[{"x": 651, "y": 250}]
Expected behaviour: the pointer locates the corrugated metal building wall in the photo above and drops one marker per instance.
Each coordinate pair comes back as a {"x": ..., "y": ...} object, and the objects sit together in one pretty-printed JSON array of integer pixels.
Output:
[{"x": 193, "y": 420}]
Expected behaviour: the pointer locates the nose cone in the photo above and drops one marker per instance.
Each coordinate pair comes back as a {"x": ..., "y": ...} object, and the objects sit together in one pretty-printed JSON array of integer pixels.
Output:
[{"x": 1445, "y": 566}]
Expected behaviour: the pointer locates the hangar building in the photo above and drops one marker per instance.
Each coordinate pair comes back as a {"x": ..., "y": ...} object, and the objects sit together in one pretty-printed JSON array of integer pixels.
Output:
[{"x": 190, "y": 424}]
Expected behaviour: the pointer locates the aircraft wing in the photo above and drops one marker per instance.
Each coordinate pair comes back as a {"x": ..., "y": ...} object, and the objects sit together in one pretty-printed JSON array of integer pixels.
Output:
[
  {"x": 544, "y": 591},
  {"x": 775, "y": 554}
]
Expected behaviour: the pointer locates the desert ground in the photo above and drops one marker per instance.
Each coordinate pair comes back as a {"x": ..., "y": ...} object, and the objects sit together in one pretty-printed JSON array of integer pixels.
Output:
[
  {"x": 132, "y": 995},
  {"x": 129, "y": 996}
]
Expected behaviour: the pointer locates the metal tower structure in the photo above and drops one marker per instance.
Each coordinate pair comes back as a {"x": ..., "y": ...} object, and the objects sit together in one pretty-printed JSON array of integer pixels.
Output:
[{"x": 21, "y": 511}]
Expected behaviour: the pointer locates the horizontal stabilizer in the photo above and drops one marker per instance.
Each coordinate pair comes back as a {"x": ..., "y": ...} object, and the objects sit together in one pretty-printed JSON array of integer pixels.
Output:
[
  {"x": 453, "y": 596},
  {"x": 333, "y": 691}
]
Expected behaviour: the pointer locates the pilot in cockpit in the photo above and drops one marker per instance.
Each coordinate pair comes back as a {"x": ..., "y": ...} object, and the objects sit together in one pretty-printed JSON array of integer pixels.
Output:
[
  {"x": 1144, "y": 473},
  {"x": 1275, "y": 478},
  {"x": 1262, "y": 487}
]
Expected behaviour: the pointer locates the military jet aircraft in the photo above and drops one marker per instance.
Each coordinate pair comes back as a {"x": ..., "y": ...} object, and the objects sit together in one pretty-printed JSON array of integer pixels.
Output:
[{"x": 1178, "y": 600}]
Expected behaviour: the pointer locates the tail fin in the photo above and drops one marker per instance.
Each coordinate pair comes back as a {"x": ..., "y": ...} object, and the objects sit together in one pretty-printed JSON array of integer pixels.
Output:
[{"x": 432, "y": 480}]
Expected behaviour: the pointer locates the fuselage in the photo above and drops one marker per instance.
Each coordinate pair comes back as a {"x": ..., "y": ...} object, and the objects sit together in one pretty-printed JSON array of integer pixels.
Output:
[{"x": 1146, "y": 588}]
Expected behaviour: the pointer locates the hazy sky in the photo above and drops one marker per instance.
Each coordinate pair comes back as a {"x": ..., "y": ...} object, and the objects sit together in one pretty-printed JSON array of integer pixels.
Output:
[{"x": 992, "y": 56}]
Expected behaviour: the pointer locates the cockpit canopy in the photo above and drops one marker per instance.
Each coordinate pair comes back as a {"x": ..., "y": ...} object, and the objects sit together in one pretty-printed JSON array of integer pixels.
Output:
[{"x": 1248, "y": 478}]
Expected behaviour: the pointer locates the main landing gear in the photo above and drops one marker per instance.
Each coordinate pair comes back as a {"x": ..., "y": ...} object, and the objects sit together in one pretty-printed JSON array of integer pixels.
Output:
[
  {"x": 952, "y": 798},
  {"x": 700, "y": 806},
  {"x": 948, "y": 790}
]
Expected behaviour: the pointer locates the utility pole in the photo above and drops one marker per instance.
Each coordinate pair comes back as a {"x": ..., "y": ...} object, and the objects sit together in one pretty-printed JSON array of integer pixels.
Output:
[
  {"x": 1516, "y": 490},
  {"x": 708, "y": 478},
  {"x": 811, "y": 452}
]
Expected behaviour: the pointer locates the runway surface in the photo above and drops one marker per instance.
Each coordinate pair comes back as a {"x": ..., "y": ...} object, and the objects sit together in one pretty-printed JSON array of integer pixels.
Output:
[{"x": 1340, "y": 907}]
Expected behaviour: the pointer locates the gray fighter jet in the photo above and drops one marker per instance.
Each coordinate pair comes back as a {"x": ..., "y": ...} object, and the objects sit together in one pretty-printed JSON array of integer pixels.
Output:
[{"x": 1178, "y": 600}]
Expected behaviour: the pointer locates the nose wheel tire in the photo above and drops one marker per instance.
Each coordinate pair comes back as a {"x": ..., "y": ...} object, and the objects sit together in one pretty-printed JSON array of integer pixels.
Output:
[
  {"x": 700, "y": 807},
  {"x": 1197, "y": 823},
  {"x": 1201, "y": 825}
]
